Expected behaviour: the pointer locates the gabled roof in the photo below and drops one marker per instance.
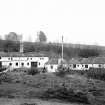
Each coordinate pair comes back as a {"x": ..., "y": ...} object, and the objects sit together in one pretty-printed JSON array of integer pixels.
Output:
[
  {"x": 74, "y": 61},
  {"x": 52, "y": 61},
  {"x": 87, "y": 61},
  {"x": 99, "y": 60}
]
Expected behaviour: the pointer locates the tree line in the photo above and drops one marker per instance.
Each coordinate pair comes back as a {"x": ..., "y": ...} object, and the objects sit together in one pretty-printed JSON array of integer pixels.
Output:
[{"x": 52, "y": 50}]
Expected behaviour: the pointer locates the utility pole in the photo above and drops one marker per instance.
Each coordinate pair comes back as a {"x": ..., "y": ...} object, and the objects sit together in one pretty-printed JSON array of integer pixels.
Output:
[
  {"x": 62, "y": 47},
  {"x": 21, "y": 44}
]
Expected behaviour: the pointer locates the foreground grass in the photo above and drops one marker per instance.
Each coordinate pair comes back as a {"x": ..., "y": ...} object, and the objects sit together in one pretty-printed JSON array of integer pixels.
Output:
[
  {"x": 18, "y": 101},
  {"x": 71, "y": 88}
]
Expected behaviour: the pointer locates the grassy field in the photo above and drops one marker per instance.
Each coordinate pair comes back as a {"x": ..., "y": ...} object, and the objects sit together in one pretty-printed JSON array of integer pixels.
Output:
[
  {"x": 70, "y": 89},
  {"x": 18, "y": 101}
]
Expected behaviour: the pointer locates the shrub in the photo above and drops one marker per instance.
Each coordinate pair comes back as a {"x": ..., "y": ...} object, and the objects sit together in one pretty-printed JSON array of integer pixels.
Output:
[
  {"x": 5, "y": 77},
  {"x": 96, "y": 73},
  {"x": 33, "y": 71},
  {"x": 67, "y": 94}
]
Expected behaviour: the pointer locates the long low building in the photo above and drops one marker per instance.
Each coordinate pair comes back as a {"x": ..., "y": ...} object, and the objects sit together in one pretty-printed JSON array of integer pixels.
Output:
[
  {"x": 19, "y": 60},
  {"x": 86, "y": 63}
]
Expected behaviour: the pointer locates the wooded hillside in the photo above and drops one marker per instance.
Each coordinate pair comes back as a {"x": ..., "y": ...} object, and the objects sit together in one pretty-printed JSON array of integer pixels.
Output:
[{"x": 54, "y": 49}]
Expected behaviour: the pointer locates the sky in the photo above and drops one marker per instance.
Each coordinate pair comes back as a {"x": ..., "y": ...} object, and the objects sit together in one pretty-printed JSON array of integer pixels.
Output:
[{"x": 79, "y": 21}]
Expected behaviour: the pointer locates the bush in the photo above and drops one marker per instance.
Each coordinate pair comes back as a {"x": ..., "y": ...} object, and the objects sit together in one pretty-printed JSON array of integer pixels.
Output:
[
  {"x": 67, "y": 94},
  {"x": 33, "y": 71},
  {"x": 5, "y": 77},
  {"x": 96, "y": 73}
]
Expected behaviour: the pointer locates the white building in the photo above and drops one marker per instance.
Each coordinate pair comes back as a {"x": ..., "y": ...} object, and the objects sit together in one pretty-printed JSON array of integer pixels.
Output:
[
  {"x": 99, "y": 62},
  {"x": 87, "y": 63},
  {"x": 52, "y": 65},
  {"x": 19, "y": 60},
  {"x": 75, "y": 64}
]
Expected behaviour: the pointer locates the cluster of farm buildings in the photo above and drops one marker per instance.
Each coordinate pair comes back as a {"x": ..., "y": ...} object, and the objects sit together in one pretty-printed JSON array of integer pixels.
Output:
[{"x": 28, "y": 60}]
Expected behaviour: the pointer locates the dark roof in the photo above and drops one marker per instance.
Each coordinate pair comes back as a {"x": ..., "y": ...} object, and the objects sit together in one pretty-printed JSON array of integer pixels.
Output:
[
  {"x": 18, "y": 54},
  {"x": 99, "y": 60}
]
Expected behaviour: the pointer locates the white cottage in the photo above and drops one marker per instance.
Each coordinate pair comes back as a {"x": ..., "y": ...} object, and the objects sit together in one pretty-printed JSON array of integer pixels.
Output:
[
  {"x": 87, "y": 63},
  {"x": 75, "y": 64},
  {"x": 52, "y": 65},
  {"x": 99, "y": 62},
  {"x": 19, "y": 60}
]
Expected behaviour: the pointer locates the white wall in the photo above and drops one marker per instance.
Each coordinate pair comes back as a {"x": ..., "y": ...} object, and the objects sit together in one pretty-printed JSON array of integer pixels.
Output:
[
  {"x": 7, "y": 60},
  {"x": 49, "y": 69}
]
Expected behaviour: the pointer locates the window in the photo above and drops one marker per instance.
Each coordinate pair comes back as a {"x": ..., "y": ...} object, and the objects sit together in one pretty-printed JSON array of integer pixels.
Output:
[
  {"x": 22, "y": 64},
  {"x": 100, "y": 65},
  {"x": 31, "y": 58},
  {"x": 0, "y": 57},
  {"x": 39, "y": 63},
  {"x": 11, "y": 58},
  {"x": 51, "y": 67},
  {"x": 82, "y": 65},
  {"x": 78, "y": 65},
  {"x": 8, "y": 58},
  {"x": 16, "y": 64},
  {"x": 10, "y": 64},
  {"x": 86, "y": 66},
  {"x": 27, "y": 63},
  {"x": 27, "y": 58}
]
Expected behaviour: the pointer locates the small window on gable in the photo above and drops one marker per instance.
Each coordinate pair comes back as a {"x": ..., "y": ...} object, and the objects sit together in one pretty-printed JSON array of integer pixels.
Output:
[
  {"x": 28, "y": 63},
  {"x": 31, "y": 58},
  {"x": 10, "y": 64},
  {"x": 16, "y": 64},
  {"x": 51, "y": 67}
]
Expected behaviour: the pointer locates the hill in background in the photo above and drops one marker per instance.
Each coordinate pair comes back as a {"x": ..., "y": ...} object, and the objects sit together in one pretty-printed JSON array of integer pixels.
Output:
[{"x": 54, "y": 49}]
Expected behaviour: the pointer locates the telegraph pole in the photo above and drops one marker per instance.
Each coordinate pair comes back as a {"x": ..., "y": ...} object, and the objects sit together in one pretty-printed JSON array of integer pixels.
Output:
[
  {"x": 62, "y": 47},
  {"x": 21, "y": 44}
]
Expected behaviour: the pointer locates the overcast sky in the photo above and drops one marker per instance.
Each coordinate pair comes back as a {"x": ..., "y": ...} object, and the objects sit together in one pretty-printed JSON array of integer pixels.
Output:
[{"x": 79, "y": 21}]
